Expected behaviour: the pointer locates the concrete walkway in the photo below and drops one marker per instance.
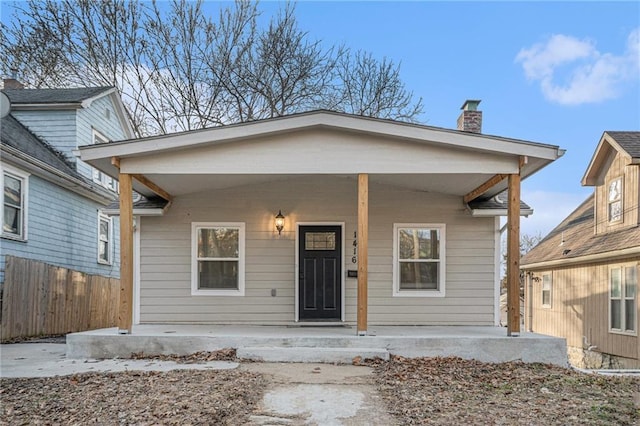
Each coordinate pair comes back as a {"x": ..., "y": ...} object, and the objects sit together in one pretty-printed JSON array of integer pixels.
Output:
[
  {"x": 49, "y": 359},
  {"x": 298, "y": 394}
]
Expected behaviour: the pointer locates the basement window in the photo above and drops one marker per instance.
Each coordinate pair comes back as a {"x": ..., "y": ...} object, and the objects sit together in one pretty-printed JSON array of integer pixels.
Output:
[
  {"x": 217, "y": 267},
  {"x": 418, "y": 260}
]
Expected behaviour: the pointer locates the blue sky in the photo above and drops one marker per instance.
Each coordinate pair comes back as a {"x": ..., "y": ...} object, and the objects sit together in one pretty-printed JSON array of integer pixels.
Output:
[
  {"x": 553, "y": 72},
  {"x": 550, "y": 72}
]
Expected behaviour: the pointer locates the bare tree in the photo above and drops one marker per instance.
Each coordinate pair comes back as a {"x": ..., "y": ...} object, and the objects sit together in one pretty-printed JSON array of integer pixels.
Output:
[{"x": 179, "y": 69}]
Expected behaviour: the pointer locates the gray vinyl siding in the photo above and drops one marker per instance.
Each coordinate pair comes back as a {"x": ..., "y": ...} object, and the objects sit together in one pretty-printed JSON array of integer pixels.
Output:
[
  {"x": 165, "y": 247},
  {"x": 62, "y": 230}
]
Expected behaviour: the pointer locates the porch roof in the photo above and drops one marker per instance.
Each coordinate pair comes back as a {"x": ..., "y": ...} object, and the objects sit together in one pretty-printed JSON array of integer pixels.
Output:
[{"x": 419, "y": 157}]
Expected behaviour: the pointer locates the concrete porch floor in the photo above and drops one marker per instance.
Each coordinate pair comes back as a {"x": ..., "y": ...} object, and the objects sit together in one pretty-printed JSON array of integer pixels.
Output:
[{"x": 320, "y": 344}]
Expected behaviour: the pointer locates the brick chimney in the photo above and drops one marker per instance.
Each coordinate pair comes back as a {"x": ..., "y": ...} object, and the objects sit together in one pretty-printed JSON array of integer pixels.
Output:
[
  {"x": 12, "y": 83},
  {"x": 471, "y": 119}
]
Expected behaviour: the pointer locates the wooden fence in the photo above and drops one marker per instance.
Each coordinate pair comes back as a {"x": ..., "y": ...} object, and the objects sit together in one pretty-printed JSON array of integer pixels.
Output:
[{"x": 41, "y": 299}]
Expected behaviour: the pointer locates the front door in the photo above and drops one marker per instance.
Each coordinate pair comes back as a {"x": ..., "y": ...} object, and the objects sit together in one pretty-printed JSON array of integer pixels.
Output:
[{"x": 320, "y": 273}]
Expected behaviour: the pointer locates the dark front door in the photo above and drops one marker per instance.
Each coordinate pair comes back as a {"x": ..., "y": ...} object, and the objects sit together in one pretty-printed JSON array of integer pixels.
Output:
[{"x": 320, "y": 273}]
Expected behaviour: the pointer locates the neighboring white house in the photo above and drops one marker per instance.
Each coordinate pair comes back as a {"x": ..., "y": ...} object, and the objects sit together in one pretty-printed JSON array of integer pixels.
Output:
[
  {"x": 52, "y": 202},
  {"x": 263, "y": 222}
]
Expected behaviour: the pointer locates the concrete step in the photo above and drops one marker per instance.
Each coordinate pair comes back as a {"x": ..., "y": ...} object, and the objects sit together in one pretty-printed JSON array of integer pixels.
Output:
[{"x": 308, "y": 354}]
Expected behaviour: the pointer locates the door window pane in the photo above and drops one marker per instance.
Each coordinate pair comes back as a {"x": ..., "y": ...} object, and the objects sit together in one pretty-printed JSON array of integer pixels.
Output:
[{"x": 320, "y": 241}]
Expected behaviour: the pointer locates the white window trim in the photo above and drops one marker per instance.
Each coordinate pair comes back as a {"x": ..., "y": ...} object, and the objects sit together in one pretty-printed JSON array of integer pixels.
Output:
[
  {"x": 440, "y": 292},
  {"x": 109, "y": 261},
  {"x": 542, "y": 290},
  {"x": 24, "y": 177},
  {"x": 620, "y": 199},
  {"x": 622, "y": 299},
  {"x": 195, "y": 291},
  {"x": 98, "y": 135}
]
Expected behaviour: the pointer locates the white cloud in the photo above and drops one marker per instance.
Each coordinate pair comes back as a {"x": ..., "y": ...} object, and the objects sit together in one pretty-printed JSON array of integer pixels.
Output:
[{"x": 572, "y": 71}]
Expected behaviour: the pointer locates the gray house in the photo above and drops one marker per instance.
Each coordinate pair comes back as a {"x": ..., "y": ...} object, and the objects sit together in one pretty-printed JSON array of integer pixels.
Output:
[
  {"x": 317, "y": 217},
  {"x": 52, "y": 202}
]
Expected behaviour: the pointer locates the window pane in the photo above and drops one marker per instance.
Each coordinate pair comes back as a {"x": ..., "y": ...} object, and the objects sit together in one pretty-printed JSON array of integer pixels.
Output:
[
  {"x": 104, "y": 229},
  {"x": 615, "y": 314},
  {"x": 615, "y": 211},
  {"x": 630, "y": 282},
  {"x": 615, "y": 282},
  {"x": 546, "y": 297},
  {"x": 11, "y": 220},
  {"x": 218, "y": 242},
  {"x": 320, "y": 241},
  {"x": 103, "y": 251},
  {"x": 630, "y": 315},
  {"x": 12, "y": 191},
  {"x": 419, "y": 243},
  {"x": 218, "y": 275},
  {"x": 419, "y": 275}
]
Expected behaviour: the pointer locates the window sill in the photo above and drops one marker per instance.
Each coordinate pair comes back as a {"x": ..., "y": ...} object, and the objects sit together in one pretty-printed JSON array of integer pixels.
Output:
[
  {"x": 15, "y": 238},
  {"x": 102, "y": 262},
  {"x": 624, "y": 333},
  {"x": 217, "y": 292},
  {"x": 418, "y": 293}
]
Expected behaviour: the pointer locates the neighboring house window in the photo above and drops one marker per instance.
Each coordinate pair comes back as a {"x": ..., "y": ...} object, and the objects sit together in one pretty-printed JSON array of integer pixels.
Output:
[
  {"x": 418, "y": 260},
  {"x": 14, "y": 203},
  {"x": 546, "y": 291},
  {"x": 623, "y": 299},
  {"x": 105, "y": 229},
  {"x": 217, "y": 259},
  {"x": 615, "y": 200},
  {"x": 99, "y": 177}
]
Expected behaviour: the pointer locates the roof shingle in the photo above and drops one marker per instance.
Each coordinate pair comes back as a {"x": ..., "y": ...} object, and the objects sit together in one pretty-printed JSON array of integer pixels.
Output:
[
  {"x": 52, "y": 96},
  {"x": 629, "y": 141}
]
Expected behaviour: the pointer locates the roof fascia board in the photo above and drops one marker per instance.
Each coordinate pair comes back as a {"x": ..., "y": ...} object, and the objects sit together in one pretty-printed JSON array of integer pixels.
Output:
[
  {"x": 86, "y": 103},
  {"x": 593, "y": 174},
  {"x": 122, "y": 114},
  {"x": 610, "y": 255},
  {"x": 55, "y": 176},
  {"x": 324, "y": 120},
  {"x": 47, "y": 107}
]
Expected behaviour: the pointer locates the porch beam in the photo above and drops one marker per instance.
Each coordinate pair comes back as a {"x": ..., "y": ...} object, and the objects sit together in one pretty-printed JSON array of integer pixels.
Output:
[
  {"x": 363, "y": 252},
  {"x": 484, "y": 187},
  {"x": 513, "y": 254},
  {"x": 152, "y": 186},
  {"x": 125, "y": 311}
]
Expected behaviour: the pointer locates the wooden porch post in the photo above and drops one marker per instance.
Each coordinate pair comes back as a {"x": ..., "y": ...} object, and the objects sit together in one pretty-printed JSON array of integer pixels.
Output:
[
  {"x": 363, "y": 251},
  {"x": 125, "y": 311},
  {"x": 513, "y": 256}
]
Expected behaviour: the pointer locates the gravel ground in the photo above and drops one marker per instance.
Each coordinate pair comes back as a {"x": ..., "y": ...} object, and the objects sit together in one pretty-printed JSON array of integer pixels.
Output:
[{"x": 452, "y": 391}]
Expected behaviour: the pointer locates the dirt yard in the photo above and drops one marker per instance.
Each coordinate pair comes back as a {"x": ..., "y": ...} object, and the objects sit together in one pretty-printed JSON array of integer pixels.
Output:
[{"x": 422, "y": 391}]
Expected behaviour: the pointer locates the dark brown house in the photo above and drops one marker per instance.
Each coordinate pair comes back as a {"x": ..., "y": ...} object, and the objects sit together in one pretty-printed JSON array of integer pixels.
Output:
[{"x": 581, "y": 280}]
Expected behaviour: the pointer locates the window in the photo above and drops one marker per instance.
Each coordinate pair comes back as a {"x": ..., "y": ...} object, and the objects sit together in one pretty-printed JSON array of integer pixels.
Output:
[
  {"x": 418, "y": 264},
  {"x": 105, "y": 229},
  {"x": 217, "y": 259},
  {"x": 546, "y": 290},
  {"x": 623, "y": 285},
  {"x": 99, "y": 177},
  {"x": 615, "y": 200},
  {"x": 14, "y": 203}
]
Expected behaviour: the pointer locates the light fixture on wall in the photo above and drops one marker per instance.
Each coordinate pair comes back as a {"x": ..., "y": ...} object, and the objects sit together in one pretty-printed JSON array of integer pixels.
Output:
[{"x": 279, "y": 222}]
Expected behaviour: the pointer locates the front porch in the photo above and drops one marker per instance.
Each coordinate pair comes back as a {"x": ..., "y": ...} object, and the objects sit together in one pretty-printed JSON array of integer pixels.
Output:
[{"x": 321, "y": 344}]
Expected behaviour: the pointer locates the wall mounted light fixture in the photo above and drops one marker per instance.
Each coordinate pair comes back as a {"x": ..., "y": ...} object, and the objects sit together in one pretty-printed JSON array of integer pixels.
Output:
[{"x": 279, "y": 222}]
